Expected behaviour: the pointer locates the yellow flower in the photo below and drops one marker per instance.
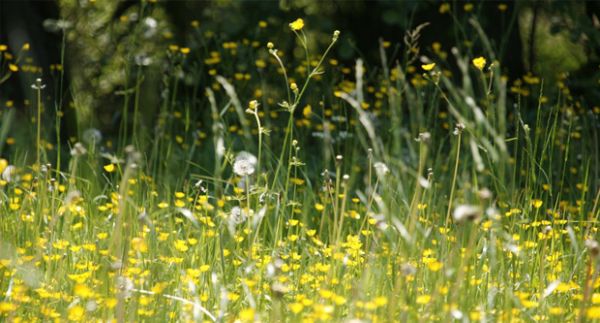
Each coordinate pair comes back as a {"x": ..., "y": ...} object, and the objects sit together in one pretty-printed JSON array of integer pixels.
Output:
[
  {"x": 76, "y": 313},
  {"x": 138, "y": 244},
  {"x": 296, "y": 307},
  {"x": 6, "y": 307},
  {"x": 298, "y": 24},
  {"x": 423, "y": 299},
  {"x": 260, "y": 63},
  {"x": 83, "y": 291},
  {"x": 444, "y": 7},
  {"x": 307, "y": 111},
  {"x": 253, "y": 105},
  {"x": 593, "y": 312},
  {"x": 428, "y": 67},
  {"x": 555, "y": 311},
  {"x": 181, "y": 245},
  {"x": 109, "y": 168},
  {"x": 537, "y": 203},
  {"x": 3, "y": 164},
  {"x": 479, "y": 62},
  {"x": 13, "y": 67},
  {"x": 435, "y": 265},
  {"x": 247, "y": 315}
]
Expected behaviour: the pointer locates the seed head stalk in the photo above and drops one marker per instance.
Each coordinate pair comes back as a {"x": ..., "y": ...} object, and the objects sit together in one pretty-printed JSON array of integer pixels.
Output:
[
  {"x": 298, "y": 95},
  {"x": 454, "y": 175},
  {"x": 38, "y": 86}
]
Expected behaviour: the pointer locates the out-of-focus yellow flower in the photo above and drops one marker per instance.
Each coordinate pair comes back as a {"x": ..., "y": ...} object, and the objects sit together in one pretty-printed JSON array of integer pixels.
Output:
[
  {"x": 444, "y": 7},
  {"x": 479, "y": 62},
  {"x": 297, "y": 24},
  {"x": 423, "y": 299},
  {"x": 3, "y": 164},
  {"x": 307, "y": 111},
  {"x": 428, "y": 67},
  {"x": 76, "y": 313},
  {"x": 247, "y": 315},
  {"x": 253, "y": 105},
  {"x": 593, "y": 312},
  {"x": 536, "y": 203},
  {"x": 109, "y": 168}
]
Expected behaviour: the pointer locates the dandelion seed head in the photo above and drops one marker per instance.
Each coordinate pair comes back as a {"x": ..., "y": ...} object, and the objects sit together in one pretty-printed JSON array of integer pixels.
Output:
[
  {"x": 381, "y": 169},
  {"x": 78, "y": 150},
  {"x": 466, "y": 212},
  {"x": 593, "y": 246},
  {"x": 244, "y": 164},
  {"x": 125, "y": 286},
  {"x": 9, "y": 173},
  {"x": 237, "y": 215}
]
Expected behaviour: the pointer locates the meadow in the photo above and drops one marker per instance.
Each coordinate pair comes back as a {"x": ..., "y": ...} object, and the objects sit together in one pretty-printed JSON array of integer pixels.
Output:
[{"x": 267, "y": 186}]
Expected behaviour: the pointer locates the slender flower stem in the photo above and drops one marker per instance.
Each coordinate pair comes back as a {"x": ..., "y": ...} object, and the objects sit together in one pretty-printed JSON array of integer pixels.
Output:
[{"x": 454, "y": 175}]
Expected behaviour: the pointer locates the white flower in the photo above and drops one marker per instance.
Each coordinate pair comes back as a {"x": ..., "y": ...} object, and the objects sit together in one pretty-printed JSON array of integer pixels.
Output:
[
  {"x": 142, "y": 60},
  {"x": 244, "y": 164},
  {"x": 237, "y": 215},
  {"x": 92, "y": 136},
  {"x": 381, "y": 169},
  {"x": 125, "y": 286},
  {"x": 593, "y": 246},
  {"x": 72, "y": 197},
  {"x": 78, "y": 150},
  {"x": 38, "y": 84},
  {"x": 8, "y": 173},
  {"x": 424, "y": 182},
  {"x": 466, "y": 212},
  {"x": 150, "y": 24}
]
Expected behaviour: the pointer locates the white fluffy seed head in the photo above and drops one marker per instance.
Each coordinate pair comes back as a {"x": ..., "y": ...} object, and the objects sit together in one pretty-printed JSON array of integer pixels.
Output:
[
  {"x": 466, "y": 212},
  {"x": 244, "y": 164},
  {"x": 381, "y": 169}
]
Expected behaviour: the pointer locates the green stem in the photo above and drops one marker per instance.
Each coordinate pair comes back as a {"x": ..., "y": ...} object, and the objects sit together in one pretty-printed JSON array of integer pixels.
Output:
[{"x": 454, "y": 175}]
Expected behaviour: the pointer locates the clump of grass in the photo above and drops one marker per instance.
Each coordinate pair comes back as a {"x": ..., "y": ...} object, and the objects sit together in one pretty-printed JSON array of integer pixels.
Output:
[{"x": 405, "y": 195}]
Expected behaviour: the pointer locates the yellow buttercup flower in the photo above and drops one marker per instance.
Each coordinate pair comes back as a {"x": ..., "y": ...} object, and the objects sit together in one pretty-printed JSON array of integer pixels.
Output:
[
  {"x": 479, "y": 62},
  {"x": 428, "y": 67},
  {"x": 298, "y": 24},
  {"x": 109, "y": 168},
  {"x": 444, "y": 8}
]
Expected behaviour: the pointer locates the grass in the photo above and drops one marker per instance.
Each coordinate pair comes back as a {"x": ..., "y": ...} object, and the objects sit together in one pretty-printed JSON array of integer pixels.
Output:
[{"x": 378, "y": 193}]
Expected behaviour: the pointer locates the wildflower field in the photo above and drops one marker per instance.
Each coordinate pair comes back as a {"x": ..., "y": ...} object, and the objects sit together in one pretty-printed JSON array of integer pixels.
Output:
[{"x": 280, "y": 173}]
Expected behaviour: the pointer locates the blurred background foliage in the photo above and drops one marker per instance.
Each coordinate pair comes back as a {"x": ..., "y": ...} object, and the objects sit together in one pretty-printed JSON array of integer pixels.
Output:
[{"x": 111, "y": 49}]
